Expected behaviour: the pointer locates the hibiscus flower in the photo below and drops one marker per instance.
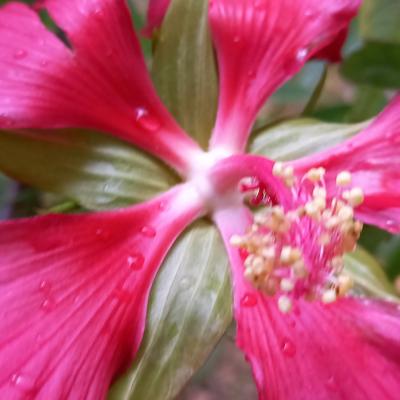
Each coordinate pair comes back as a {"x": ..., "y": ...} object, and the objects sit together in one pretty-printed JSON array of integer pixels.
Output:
[{"x": 75, "y": 288}]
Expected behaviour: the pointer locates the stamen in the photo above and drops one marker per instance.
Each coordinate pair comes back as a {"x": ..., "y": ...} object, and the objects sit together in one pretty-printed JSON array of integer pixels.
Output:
[
  {"x": 297, "y": 252},
  {"x": 343, "y": 178}
]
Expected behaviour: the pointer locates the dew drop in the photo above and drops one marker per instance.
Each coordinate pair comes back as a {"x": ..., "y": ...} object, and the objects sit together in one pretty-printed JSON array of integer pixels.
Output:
[
  {"x": 302, "y": 55},
  {"x": 47, "y": 305},
  {"x": 23, "y": 382},
  {"x": 236, "y": 39},
  {"x": 248, "y": 300},
  {"x": 5, "y": 121},
  {"x": 146, "y": 121},
  {"x": 185, "y": 283},
  {"x": 122, "y": 294},
  {"x": 20, "y": 54},
  {"x": 331, "y": 384},
  {"x": 148, "y": 231},
  {"x": 308, "y": 13},
  {"x": 162, "y": 206},
  {"x": 288, "y": 347},
  {"x": 45, "y": 286},
  {"x": 135, "y": 261}
]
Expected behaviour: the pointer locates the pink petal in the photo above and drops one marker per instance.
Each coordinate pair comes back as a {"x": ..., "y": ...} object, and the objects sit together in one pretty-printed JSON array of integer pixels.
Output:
[
  {"x": 346, "y": 350},
  {"x": 260, "y": 45},
  {"x": 155, "y": 15},
  {"x": 102, "y": 82},
  {"x": 373, "y": 157},
  {"x": 74, "y": 291}
]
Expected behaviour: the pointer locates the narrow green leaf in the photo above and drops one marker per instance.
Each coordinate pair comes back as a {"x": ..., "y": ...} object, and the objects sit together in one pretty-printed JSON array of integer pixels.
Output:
[
  {"x": 96, "y": 170},
  {"x": 298, "y": 138},
  {"x": 368, "y": 275},
  {"x": 184, "y": 68},
  {"x": 376, "y": 64},
  {"x": 190, "y": 309},
  {"x": 379, "y": 20}
]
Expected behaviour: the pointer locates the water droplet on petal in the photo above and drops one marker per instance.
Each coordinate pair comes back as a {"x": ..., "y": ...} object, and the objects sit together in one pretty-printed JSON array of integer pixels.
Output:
[
  {"x": 308, "y": 13},
  {"x": 146, "y": 121},
  {"x": 23, "y": 382},
  {"x": 162, "y": 206},
  {"x": 148, "y": 231},
  {"x": 288, "y": 347},
  {"x": 135, "y": 261},
  {"x": 236, "y": 39},
  {"x": 331, "y": 384},
  {"x": 302, "y": 55},
  {"x": 248, "y": 300},
  {"x": 20, "y": 54},
  {"x": 47, "y": 305},
  {"x": 185, "y": 283},
  {"x": 122, "y": 294},
  {"x": 44, "y": 286}
]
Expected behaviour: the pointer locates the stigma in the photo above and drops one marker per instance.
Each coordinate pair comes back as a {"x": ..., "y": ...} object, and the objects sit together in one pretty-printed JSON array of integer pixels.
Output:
[{"x": 297, "y": 251}]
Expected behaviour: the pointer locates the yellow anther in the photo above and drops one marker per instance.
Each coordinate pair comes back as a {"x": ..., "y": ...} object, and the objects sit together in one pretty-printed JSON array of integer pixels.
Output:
[
  {"x": 343, "y": 178},
  {"x": 285, "y": 304},
  {"x": 269, "y": 286},
  {"x": 299, "y": 269},
  {"x": 345, "y": 284},
  {"x": 324, "y": 239},
  {"x": 236, "y": 241},
  {"x": 289, "y": 255},
  {"x": 286, "y": 255},
  {"x": 358, "y": 227},
  {"x": 346, "y": 194},
  {"x": 287, "y": 285},
  {"x": 315, "y": 174},
  {"x": 258, "y": 265},
  {"x": 345, "y": 213},
  {"x": 277, "y": 169},
  {"x": 260, "y": 219},
  {"x": 356, "y": 197},
  {"x": 319, "y": 192},
  {"x": 311, "y": 209},
  {"x": 332, "y": 222},
  {"x": 320, "y": 203},
  {"x": 288, "y": 172},
  {"x": 250, "y": 275},
  {"x": 269, "y": 253},
  {"x": 329, "y": 296}
]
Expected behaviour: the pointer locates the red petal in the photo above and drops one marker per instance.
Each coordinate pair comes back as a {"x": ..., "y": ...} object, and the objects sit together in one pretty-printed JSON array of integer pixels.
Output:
[
  {"x": 347, "y": 350},
  {"x": 155, "y": 15},
  {"x": 373, "y": 157},
  {"x": 261, "y": 44},
  {"x": 101, "y": 83},
  {"x": 333, "y": 51},
  {"x": 74, "y": 290}
]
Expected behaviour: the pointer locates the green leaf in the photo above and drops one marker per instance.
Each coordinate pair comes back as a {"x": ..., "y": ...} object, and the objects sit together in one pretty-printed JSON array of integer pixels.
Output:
[
  {"x": 96, "y": 170},
  {"x": 376, "y": 64},
  {"x": 379, "y": 20},
  {"x": 302, "y": 85},
  {"x": 369, "y": 101},
  {"x": 7, "y": 194},
  {"x": 190, "y": 309},
  {"x": 298, "y": 138},
  {"x": 368, "y": 275},
  {"x": 184, "y": 68}
]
